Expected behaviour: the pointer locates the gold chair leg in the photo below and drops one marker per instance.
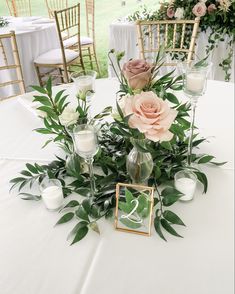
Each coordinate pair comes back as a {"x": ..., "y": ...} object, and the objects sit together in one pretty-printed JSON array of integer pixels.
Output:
[
  {"x": 38, "y": 75},
  {"x": 90, "y": 57},
  {"x": 96, "y": 61}
]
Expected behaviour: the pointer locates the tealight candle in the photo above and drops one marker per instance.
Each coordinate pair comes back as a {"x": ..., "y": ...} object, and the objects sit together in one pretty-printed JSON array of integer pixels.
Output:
[
  {"x": 185, "y": 182},
  {"x": 52, "y": 193},
  {"x": 85, "y": 142},
  {"x": 53, "y": 197},
  {"x": 195, "y": 82}
]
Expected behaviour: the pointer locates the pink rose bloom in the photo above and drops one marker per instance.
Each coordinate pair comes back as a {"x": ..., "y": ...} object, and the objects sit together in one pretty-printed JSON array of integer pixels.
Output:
[
  {"x": 138, "y": 73},
  {"x": 211, "y": 8},
  {"x": 170, "y": 12},
  {"x": 151, "y": 115},
  {"x": 199, "y": 9}
]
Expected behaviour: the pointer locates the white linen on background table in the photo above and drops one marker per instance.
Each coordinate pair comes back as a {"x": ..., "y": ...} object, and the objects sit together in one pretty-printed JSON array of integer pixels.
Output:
[
  {"x": 123, "y": 37},
  {"x": 31, "y": 44},
  {"x": 36, "y": 259}
]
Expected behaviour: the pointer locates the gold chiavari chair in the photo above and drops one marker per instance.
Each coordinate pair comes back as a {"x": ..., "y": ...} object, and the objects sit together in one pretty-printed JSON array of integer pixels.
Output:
[
  {"x": 170, "y": 33},
  {"x": 54, "y": 5},
  {"x": 87, "y": 42},
  {"x": 19, "y": 7},
  {"x": 10, "y": 67},
  {"x": 67, "y": 20}
]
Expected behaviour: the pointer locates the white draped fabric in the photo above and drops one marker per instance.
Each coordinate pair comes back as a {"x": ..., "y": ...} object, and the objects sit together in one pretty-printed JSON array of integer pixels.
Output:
[
  {"x": 123, "y": 37},
  {"x": 35, "y": 257},
  {"x": 34, "y": 37}
]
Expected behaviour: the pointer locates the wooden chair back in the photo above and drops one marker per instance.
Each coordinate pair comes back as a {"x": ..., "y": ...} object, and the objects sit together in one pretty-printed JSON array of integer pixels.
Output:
[
  {"x": 90, "y": 18},
  {"x": 19, "y": 7},
  {"x": 68, "y": 26},
  {"x": 54, "y": 5},
  {"x": 170, "y": 33},
  {"x": 10, "y": 67}
]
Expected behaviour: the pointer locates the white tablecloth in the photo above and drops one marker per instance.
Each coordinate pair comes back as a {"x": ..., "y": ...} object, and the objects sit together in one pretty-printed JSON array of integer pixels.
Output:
[
  {"x": 32, "y": 42},
  {"x": 36, "y": 259},
  {"x": 123, "y": 37}
]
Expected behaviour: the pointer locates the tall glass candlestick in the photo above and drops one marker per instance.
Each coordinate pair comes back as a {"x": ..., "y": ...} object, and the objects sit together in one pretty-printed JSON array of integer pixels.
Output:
[
  {"x": 195, "y": 79},
  {"x": 86, "y": 146}
]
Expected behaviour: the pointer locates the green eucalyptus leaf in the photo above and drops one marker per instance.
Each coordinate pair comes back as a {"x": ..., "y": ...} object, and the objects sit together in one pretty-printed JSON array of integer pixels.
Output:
[
  {"x": 205, "y": 159},
  {"x": 72, "y": 203},
  {"x": 169, "y": 228},
  {"x": 129, "y": 196},
  {"x": 65, "y": 218},
  {"x": 81, "y": 232},
  {"x": 39, "y": 89},
  {"x": 28, "y": 196},
  {"x": 172, "y": 98},
  {"x": 81, "y": 213},
  {"x": 157, "y": 226},
  {"x": 203, "y": 179},
  {"x": 172, "y": 218}
]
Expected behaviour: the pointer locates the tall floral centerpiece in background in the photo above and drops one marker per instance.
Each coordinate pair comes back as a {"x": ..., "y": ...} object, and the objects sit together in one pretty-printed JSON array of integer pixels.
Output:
[{"x": 217, "y": 18}]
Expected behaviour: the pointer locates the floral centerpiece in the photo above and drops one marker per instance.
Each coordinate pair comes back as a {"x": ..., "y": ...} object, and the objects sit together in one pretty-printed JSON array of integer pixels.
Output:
[
  {"x": 217, "y": 17},
  {"x": 148, "y": 121}
]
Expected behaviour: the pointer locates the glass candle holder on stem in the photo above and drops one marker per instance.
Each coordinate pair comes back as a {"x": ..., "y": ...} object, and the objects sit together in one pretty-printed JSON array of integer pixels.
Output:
[
  {"x": 195, "y": 81},
  {"x": 86, "y": 146},
  {"x": 85, "y": 86}
]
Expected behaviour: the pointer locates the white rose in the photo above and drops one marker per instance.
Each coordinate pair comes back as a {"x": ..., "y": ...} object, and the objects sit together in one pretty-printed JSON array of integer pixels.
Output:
[
  {"x": 68, "y": 117},
  {"x": 179, "y": 14}
]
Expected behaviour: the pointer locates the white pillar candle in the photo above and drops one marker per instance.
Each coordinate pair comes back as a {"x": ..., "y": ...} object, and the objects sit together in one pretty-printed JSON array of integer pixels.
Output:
[
  {"x": 186, "y": 186},
  {"x": 85, "y": 141},
  {"x": 53, "y": 197},
  {"x": 195, "y": 82}
]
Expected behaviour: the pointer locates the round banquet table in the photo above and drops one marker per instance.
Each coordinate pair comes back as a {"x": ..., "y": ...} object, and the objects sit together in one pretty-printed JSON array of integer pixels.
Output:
[
  {"x": 34, "y": 36},
  {"x": 35, "y": 257},
  {"x": 123, "y": 37}
]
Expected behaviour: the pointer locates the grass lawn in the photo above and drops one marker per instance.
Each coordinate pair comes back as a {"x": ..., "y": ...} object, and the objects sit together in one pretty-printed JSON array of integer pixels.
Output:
[{"x": 106, "y": 12}]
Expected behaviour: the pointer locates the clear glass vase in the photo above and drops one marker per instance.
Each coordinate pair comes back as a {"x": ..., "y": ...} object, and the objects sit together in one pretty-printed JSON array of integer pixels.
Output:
[{"x": 139, "y": 166}]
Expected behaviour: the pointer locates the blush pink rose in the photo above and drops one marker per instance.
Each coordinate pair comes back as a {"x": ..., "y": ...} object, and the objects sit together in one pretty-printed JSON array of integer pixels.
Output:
[
  {"x": 211, "y": 8},
  {"x": 170, "y": 12},
  {"x": 199, "y": 9},
  {"x": 138, "y": 73},
  {"x": 151, "y": 115}
]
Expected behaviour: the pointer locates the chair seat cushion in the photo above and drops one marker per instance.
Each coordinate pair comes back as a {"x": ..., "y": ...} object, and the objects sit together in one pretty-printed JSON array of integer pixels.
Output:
[
  {"x": 86, "y": 40},
  {"x": 73, "y": 40},
  {"x": 55, "y": 56}
]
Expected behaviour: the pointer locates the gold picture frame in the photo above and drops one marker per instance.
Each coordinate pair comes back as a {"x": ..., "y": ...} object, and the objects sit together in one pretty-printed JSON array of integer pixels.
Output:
[{"x": 137, "y": 209}]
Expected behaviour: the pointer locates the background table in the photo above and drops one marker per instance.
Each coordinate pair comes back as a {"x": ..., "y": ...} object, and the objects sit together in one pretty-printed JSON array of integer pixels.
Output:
[
  {"x": 31, "y": 43},
  {"x": 36, "y": 259},
  {"x": 123, "y": 37}
]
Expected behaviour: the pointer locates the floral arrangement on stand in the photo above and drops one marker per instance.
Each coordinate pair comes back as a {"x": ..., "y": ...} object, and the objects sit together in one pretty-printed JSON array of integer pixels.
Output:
[
  {"x": 146, "y": 142},
  {"x": 217, "y": 18}
]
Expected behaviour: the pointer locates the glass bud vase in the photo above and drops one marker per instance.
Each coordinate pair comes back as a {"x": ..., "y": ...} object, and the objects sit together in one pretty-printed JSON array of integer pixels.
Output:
[{"x": 139, "y": 166}]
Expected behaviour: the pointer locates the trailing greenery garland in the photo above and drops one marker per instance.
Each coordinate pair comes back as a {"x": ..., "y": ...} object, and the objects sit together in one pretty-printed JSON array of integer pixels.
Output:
[
  {"x": 218, "y": 21},
  {"x": 115, "y": 141}
]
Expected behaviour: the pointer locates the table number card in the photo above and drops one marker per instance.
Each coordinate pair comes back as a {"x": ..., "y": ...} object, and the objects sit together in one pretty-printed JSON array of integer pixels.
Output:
[{"x": 134, "y": 208}]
